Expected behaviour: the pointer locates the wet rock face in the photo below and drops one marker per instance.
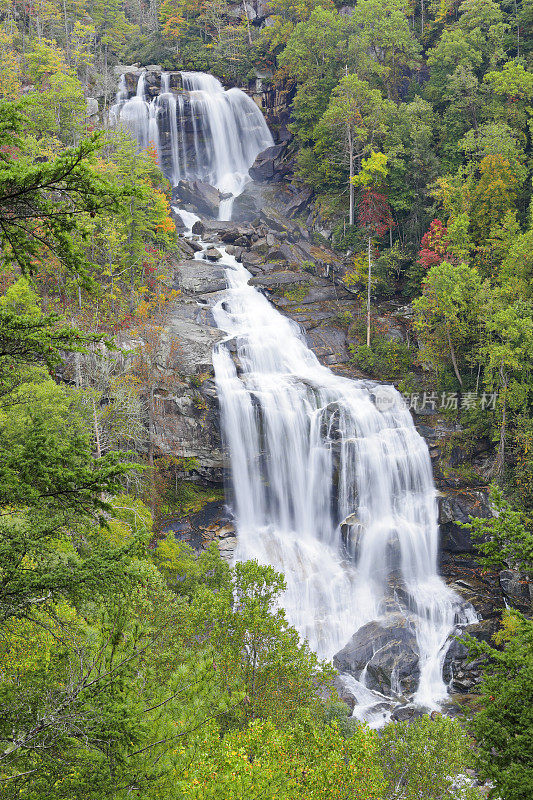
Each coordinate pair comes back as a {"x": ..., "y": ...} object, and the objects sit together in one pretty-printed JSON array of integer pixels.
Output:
[
  {"x": 197, "y": 277},
  {"x": 517, "y": 589},
  {"x": 152, "y": 78},
  {"x": 267, "y": 163},
  {"x": 201, "y": 197},
  {"x": 454, "y": 511},
  {"x": 386, "y": 651}
]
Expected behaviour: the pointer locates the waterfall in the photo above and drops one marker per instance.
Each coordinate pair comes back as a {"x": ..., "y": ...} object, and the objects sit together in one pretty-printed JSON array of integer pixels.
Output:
[
  {"x": 330, "y": 481},
  {"x": 140, "y": 86},
  {"x": 122, "y": 92},
  {"x": 201, "y": 132},
  {"x": 309, "y": 450}
]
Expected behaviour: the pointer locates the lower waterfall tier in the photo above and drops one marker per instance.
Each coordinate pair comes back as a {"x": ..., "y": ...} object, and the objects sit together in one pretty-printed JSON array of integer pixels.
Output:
[{"x": 332, "y": 485}]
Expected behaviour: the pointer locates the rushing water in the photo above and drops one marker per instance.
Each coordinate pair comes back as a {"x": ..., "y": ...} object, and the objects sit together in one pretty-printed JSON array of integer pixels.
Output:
[
  {"x": 308, "y": 450},
  {"x": 331, "y": 482},
  {"x": 202, "y": 132}
]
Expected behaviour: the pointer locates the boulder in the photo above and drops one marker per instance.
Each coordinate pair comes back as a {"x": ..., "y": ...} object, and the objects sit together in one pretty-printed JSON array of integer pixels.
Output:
[
  {"x": 245, "y": 208},
  {"x": 388, "y": 650},
  {"x": 202, "y": 196},
  {"x": 126, "y": 69},
  {"x": 260, "y": 247},
  {"x": 194, "y": 245},
  {"x": 177, "y": 219},
  {"x": 213, "y": 254},
  {"x": 92, "y": 107},
  {"x": 299, "y": 202},
  {"x": 273, "y": 220},
  {"x": 186, "y": 249},
  {"x": 286, "y": 252},
  {"x": 275, "y": 280},
  {"x": 198, "y": 277},
  {"x": 264, "y": 166},
  {"x": 407, "y": 713}
]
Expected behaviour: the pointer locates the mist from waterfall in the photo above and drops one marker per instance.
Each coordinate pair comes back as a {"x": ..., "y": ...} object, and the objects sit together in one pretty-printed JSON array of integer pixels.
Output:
[{"x": 200, "y": 132}]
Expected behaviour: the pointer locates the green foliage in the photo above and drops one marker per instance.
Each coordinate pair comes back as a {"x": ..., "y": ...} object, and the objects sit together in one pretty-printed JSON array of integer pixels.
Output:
[
  {"x": 185, "y": 572},
  {"x": 40, "y": 203},
  {"x": 305, "y": 762},
  {"x": 448, "y": 315},
  {"x": 382, "y": 45},
  {"x": 504, "y": 538},
  {"x": 296, "y": 292},
  {"x": 163, "y": 673},
  {"x": 424, "y": 758},
  {"x": 504, "y": 725},
  {"x": 256, "y": 647},
  {"x": 385, "y": 359},
  {"x": 29, "y": 337}
]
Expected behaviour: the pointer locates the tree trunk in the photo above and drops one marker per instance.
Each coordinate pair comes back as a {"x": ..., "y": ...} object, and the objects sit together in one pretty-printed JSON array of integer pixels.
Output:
[
  {"x": 105, "y": 78},
  {"x": 351, "y": 186},
  {"x": 452, "y": 353},
  {"x": 96, "y": 432},
  {"x": 247, "y": 22},
  {"x": 67, "y": 39},
  {"x": 369, "y": 292},
  {"x": 500, "y": 455},
  {"x": 151, "y": 436}
]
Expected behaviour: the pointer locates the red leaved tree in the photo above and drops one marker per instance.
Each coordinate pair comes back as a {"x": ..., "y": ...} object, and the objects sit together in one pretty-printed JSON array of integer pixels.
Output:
[{"x": 434, "y": 247}]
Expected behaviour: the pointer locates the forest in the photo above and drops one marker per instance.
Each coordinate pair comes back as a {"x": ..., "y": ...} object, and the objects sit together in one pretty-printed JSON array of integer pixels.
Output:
[{"x": 134, "y": 663}]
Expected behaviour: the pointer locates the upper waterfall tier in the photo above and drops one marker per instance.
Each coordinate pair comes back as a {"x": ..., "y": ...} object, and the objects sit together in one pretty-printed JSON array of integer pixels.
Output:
[{"x": 198, "y": 129}]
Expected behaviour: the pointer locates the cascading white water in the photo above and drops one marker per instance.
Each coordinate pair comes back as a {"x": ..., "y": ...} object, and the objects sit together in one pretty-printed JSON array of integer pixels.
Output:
[
  {"x": 122, "y": 92},
  {"x": 213, "y": 135},
  {"x": 308, "y": 450}
]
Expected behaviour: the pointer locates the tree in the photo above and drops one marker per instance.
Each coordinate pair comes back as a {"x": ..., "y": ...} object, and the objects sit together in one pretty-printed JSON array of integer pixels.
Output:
[
  {"x": 47, "y": 471},
  {"x": 512, "y": 88},
  {"x": 435, "y": 245},
  {"x": 10, "y": 72},
  {"x": 374, "y": 215},
  {"x": 494, "y": 193},
  {"x": 143, "y": 223},
  {"x": 506, "y": 354},
  {"x": 423, "y": 759},
  {"x": 413, "y": 166},
  {"x": 314, "y": 47},
  {"x": 504, "y": 726},
  {"x": 448, "y": 314},
  {"x": 285, "y": 15},
  {"x": 29, "y": 337},
  {"x": 504, "y": 538},
  {"x": 310, "y": 761},
  {"x": 382, "y": 45},
  {"x": 258, "y": 650},
  {"x": 40, "y": 203},
  {"x": 356, "y": 116}
]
